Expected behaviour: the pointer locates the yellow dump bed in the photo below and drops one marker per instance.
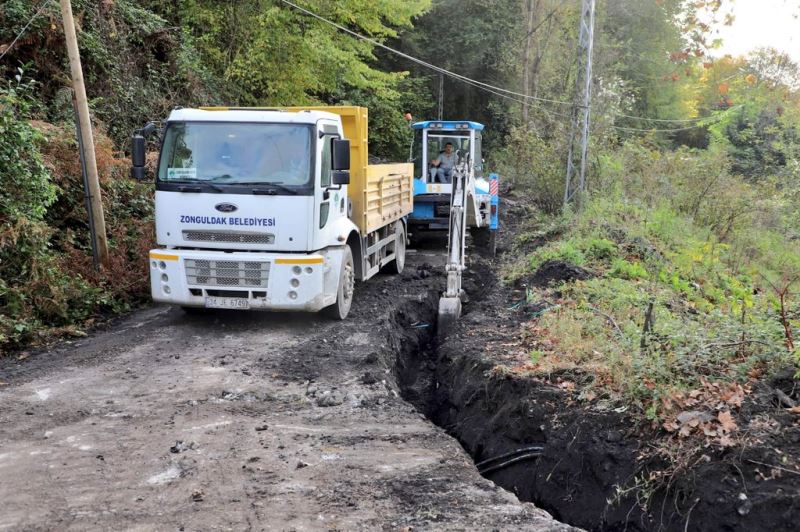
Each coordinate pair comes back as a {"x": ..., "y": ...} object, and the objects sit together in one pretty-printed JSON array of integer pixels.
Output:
[{"x": 380, "y": 193}]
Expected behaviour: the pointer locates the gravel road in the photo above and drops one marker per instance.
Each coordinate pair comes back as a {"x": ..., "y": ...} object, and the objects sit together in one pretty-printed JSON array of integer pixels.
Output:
[{"x": 239, "y": 421}]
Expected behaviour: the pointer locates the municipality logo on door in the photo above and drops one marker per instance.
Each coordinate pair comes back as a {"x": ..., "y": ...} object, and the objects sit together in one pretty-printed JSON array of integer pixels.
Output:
[{"x": 226, "y": 207}]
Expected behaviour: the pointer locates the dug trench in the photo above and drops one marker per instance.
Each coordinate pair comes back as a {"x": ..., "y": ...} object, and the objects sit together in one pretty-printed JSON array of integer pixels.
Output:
[{"x": 580, "y": 463}]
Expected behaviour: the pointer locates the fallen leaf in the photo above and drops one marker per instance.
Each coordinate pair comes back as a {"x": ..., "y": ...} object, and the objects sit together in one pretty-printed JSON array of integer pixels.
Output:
[
  {"x": 726, "y": 421},
  {"x": 685, "y": 431},
  {"x": 793, "y": 410},
  {"x": 726, "y": 441},
  {"x": 670, "y": 426},
  {"x": 567, "y": 385}
]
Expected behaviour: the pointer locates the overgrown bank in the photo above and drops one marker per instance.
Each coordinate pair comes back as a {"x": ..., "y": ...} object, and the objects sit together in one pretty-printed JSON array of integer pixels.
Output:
[
  {"x": 733, "y": 461},
  {"x": 48, "y": 286}
]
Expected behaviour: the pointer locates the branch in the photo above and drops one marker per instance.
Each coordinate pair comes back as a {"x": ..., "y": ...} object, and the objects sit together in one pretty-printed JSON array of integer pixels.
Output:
[
  {"x": 774, "y": 467},
  {"x": 737, "y": 344},
  {"x": 609, "y": 318}
]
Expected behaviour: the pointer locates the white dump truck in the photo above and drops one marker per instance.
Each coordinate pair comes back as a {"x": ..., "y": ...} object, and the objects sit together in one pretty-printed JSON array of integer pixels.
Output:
[{"x": 272, "y": 209}]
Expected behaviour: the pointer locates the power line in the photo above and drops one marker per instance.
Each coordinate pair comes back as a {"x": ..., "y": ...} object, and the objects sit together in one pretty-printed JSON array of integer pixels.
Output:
[
  {"x": 486, "y": 87},
  {"x": 701, "y": 122},
  {"x": 25, "y": 28},
  {"x": 672, "y": 120},
  {"x": 420, "y": 62}
]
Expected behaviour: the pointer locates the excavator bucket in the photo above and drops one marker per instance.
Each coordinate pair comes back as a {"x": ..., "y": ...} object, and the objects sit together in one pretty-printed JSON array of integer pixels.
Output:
[{"x": 449, "y": 312}]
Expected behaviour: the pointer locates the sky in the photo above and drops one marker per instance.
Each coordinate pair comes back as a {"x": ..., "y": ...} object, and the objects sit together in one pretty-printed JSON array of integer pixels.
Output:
[{"x": 760, "y": 23}]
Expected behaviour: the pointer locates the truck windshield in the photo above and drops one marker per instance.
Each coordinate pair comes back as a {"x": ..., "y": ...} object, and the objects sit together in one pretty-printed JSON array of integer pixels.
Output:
[{"x": 237, "y": 154}]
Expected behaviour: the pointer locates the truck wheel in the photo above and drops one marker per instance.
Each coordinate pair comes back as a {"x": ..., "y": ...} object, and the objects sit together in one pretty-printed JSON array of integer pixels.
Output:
[
  {"x": 399, "y": 263},
  {"x": 344, "y": 293},
  {"x": 485, "y": 239}
]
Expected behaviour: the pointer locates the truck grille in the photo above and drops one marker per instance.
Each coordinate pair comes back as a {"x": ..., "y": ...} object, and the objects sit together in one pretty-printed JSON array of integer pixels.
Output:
[
  {"x": 230, "y": 237},
  {"x": 249, "y": 274}
]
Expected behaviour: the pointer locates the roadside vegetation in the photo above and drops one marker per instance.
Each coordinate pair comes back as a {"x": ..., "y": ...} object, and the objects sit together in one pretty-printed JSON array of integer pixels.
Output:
[
  {"x": 669, "y": 300},
  {"x": 687, "y": 256}
]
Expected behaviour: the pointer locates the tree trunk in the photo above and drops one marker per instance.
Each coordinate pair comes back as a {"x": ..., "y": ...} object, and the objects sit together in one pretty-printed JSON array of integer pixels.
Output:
[{"x": 530, "y": 12}]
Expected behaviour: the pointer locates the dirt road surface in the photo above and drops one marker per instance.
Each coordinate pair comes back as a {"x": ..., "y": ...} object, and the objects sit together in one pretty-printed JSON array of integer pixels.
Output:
[{"x": 240, "y": 422}]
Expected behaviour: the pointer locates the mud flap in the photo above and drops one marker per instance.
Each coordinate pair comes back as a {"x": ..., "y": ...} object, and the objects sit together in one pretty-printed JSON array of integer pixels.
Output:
[{"x": 449, "y": 312}]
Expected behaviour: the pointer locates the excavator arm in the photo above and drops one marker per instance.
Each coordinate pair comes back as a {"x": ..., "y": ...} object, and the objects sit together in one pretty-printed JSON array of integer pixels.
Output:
[{"x": 450, "y": 301}]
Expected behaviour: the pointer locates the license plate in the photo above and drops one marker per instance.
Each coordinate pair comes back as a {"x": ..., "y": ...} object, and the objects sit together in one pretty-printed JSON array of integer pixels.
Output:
[{"x": 227, "y": 302}]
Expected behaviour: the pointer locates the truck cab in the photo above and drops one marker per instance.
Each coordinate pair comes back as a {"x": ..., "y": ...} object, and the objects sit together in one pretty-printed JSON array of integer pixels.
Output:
[{"x": 255, "y": 209}]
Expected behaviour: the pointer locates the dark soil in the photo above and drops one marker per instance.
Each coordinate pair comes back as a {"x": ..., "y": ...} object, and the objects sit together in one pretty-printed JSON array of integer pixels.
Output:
[
  {"x": 595, "y": 460},
  {"x": 554, "y": 272}
]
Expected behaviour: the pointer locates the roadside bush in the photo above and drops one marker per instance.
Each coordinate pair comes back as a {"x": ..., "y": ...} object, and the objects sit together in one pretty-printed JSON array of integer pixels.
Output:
[
  {"x": 534, "y": 165},
  {"x": 47, "y": 281}
]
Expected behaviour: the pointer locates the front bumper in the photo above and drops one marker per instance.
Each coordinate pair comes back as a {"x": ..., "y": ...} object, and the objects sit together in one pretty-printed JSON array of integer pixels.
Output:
[{"x": 268, "y": 281}]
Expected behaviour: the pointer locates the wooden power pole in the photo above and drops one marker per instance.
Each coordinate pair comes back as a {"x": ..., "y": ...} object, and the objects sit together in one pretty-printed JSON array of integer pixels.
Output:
[{"x": 96, "y": 218}]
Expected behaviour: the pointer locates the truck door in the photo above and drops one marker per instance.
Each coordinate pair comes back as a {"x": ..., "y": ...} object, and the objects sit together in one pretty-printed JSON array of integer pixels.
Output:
[{"x": 331, "y": 201}]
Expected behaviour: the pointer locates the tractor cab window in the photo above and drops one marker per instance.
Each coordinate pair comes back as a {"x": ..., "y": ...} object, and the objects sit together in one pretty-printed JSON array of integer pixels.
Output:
[
  {"x": 437, "y": 150},
  {"x": 478, "y": 155}
]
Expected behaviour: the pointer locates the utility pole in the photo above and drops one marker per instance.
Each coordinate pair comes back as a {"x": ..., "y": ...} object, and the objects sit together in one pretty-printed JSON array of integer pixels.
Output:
[
  {"x": 93, "y": 193},
  {"x": 579, "y": 129}
]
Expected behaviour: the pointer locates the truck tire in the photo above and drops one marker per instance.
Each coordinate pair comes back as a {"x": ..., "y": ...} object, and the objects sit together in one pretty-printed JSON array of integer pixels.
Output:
[
  {"x": 344, "y": 292},
  {"x": 485, "y": 239},
  {"x": 399, "y": 263}
]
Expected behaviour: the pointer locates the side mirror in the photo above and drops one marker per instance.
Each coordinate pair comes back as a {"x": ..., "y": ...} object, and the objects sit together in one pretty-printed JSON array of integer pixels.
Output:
[
  {"x": 340, "y": 155},
  {"x": 138, "y": 150},
  {"x": 340, "y": 177}
]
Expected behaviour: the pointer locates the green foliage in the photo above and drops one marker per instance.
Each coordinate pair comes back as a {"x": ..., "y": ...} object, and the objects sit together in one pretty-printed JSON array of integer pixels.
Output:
[
  {"x": 569, "y": 251},
  {"x": 46, "y": 279},
  {"x": 601, "y": 249},
  {"x": 714, "y": 254},
  {"x": 628, "y": 270},
  {"x": 536, "y": 166},
  {"x": 32, "y": 288},
  {"x": 475, "y": 38},
  {"x": 26, "y": 189}
]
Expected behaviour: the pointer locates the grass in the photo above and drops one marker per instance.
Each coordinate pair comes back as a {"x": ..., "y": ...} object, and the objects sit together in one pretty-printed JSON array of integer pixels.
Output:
[{"x": 669, "y": 307}]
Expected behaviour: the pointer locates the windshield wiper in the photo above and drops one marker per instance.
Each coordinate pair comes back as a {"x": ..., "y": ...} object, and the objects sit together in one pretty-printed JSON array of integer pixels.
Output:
[
  {"x": 274, "y": 188},
  {"x": 199, "y": 188}
]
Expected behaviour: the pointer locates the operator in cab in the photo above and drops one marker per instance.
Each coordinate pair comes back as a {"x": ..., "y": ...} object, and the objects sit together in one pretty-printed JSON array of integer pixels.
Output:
[{"x": 444, "y": 164}]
